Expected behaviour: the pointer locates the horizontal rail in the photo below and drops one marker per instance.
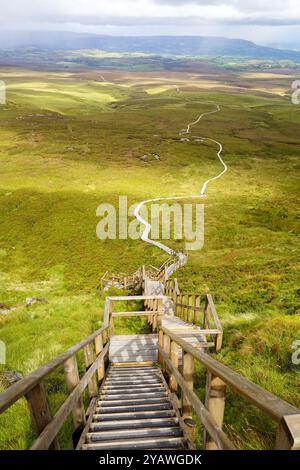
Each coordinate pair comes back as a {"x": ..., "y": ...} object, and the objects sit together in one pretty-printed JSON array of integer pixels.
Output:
[
  {"x": 219, "y": 437},
  {"x": 136, "y": 297},
  {"x": 270, "y": 404},
  {"x": 47, "y": 436},
  {"x": 135, "y": 314},
  {"x": 21, "y": 388}
]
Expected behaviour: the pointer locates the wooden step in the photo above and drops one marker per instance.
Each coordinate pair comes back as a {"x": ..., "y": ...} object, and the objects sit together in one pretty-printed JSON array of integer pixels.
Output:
[
  {"x": 133, "y": 380},
  {"x": 125, "y": 375},
  {"x": 131, "y": 401},
  {"x": 146, "y": 443},
  {"x": 133, "y": 408},
  {"x": 138, "y": 388},
  {"x": 133, "y": 424},
  {"x": 133, "y": 433},
  {"x": 133, "y": 411},
  {"x": 126, "y": 415},
  {"x": 132, "y": 395}
]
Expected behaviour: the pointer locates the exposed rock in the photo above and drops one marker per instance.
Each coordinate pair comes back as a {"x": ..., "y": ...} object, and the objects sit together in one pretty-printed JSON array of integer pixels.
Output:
[
  {"x": 32, "y": 300},
  {"x": 5, "y": 309},
  {"x": 10, "y": 377}
]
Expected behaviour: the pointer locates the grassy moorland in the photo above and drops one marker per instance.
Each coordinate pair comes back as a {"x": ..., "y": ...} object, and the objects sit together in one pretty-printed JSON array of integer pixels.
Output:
[{"x": 71, "y": 141}]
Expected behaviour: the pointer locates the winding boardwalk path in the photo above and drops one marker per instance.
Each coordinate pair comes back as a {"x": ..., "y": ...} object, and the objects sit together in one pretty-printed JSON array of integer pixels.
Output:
[{"x": 137, "y": 212}]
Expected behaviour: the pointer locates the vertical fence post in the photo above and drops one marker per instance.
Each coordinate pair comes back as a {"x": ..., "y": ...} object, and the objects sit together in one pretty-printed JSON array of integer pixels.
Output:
[
  {"x": 188, "y": 372},
  {"x": 174, "y": 297},
  {"x": 174, "y": 358},
  {"x": 197, "y": 309},
  {"x": 205, "y": 315},
  {"x": 160, "y": 304},
  {"x": 215, "y": 403},
  {"x": 288, "y": 434},
  {"x": 99, "y": 349},
  {"x": 161, "y": 343},
  {"x": 40, "y": 410},
  {"x": 191, "y": 312},
  {"x": 218, "y": 342},
  {"x": 72, "y": 380},
  {"x": 89, "y": 359},
  {"x": 166, "y": 346},
  {"x": 182, "y": 307}
]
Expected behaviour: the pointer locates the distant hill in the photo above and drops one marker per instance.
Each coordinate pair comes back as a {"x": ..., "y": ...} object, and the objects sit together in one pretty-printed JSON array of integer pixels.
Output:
[{"x": 162, "y": 45}]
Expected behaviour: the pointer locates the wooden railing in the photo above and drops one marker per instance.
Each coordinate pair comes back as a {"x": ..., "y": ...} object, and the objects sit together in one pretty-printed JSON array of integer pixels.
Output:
[
  {"x": 198, "y": 309},
  {"x": 33, "y": 389},
  {"x": 96, "y": 348},
  {"x": 134, "y": 280},
  {"x": 219, "y": 376},
  {"x": 154, "y": 316},
  {"x": 126, "y": 281}
]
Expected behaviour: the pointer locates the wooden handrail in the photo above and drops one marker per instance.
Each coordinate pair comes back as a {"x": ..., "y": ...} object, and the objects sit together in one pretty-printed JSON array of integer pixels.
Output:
[
  {"x": 270, "y": 404},
  {"x": 222, "y": 441},
  {"x": 21, "y": 388},
  {"x": 49, "y": 433}
]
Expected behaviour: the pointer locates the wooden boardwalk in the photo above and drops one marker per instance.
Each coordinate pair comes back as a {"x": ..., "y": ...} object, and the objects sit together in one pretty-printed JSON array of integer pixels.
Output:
[
  {"x": 141, "y": 387},
  {"x": 134, "y": 410}
]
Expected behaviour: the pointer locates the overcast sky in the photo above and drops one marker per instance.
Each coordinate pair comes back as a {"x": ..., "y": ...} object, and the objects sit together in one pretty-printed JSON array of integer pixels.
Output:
[{"x": 264, "y": 21}]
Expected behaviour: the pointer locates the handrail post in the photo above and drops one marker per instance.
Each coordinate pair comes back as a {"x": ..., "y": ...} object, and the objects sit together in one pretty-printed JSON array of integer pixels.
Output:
[
  {"x": 166, "y": 347},
  {"x": 288, "y": 434},
  {"x": 205, "y": 324},
  {"x": 215, "y": 404},
  {"x": 174, "y": 297},
  {"x": 161, "y": 344},
  {"x": 182, "y": 299},
  {"x": 174, "y": 350},
  {"x": 72, "y": 380},
  {"x": 197, "y": 309},
  {"x": 218, "y": 342},
  {"x": 160, "y": 305},
  {"x": 188, "y": 373},
  {"x": 99, "y": 349},
  {"x": 89, "y": 360},
  {"x": 39, "y": 406},
  {"x": 191, "y": 312}
]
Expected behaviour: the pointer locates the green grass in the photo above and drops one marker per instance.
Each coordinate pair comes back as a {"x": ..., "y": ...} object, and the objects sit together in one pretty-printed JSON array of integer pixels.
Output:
[{"x": 69, "y": 144}]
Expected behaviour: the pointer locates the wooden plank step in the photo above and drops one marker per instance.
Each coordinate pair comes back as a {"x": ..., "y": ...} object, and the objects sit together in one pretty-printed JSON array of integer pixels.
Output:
[
  {"x": 132, "y": 348},
  {"x": 146, "y": 376},
  {"x": 133, "y": 408},
  {"x": 132, "y": 338},
  {"x": 133, "y": 389},
  {"x": 125, "y": 415},
  {"x": 158, "y": 443},
  {"x": 133, "y": 433},
  {"x": 129, "y": 382},
  {"x": 133, "y": 358},
  {"x": 125, "y": 367},
  {"x": 140, "y": 377},
  {"x": 133, "y": 424},
  {"x": 132, "y": 401},
  {"x": 132, "y": 396}
]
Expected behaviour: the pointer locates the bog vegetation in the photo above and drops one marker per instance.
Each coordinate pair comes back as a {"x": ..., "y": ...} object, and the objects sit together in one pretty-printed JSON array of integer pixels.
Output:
[{"x": 71, "y": 141}]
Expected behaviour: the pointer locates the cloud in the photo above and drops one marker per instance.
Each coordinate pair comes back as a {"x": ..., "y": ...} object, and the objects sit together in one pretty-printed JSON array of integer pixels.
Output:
[{"x": 152, "y": 12}]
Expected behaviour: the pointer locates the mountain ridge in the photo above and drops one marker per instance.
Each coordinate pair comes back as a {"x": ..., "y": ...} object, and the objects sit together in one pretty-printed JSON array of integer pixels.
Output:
[{"x": 194, "y": 46}]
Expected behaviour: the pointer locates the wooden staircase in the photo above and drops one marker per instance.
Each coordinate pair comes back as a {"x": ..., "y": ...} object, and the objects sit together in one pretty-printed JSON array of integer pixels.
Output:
[
  {"x": 133, "y": 348},
  {"x": 131, "y": 405},
  {"x": 134, "y": 410}
]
